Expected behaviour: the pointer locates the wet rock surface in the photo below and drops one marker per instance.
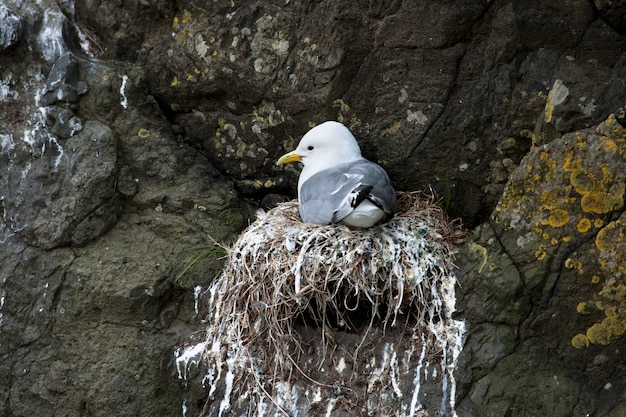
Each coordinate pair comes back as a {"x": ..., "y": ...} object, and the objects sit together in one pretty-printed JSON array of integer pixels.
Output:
[{"x": 132, "y": 131}]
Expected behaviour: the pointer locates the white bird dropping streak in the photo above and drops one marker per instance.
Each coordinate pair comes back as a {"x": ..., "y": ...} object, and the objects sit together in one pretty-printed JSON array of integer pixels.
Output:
[
  {"x": 184, "y": 408},
  {"x": 2, "y": 298},
  {"x": 228, "y": 381},
  {"x": 189, "y": 355},
  {"x": 124, "y": 100},
  {"x": 415, "y": 404},
  {"x": 197, "y": 290},
  {"x": 50, "y": 38}
]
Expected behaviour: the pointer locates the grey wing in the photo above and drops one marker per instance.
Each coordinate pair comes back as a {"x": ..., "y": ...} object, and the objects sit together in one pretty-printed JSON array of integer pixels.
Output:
[
  {"x": 332, "y": 194},
  {"x": 382, "y": 193},
  {"x": 325, "y": 194}
]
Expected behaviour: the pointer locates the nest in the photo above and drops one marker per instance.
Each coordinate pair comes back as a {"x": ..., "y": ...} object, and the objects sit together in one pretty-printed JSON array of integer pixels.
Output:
[{"x": 282, "y": 273}]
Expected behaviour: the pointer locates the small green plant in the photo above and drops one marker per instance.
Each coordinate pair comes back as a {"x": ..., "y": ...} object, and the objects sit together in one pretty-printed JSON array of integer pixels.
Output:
[{"x": 215, "y": 249}]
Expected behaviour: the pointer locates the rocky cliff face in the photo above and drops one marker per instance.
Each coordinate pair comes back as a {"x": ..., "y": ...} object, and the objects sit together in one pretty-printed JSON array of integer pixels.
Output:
[{"x": 132, "y": 131}]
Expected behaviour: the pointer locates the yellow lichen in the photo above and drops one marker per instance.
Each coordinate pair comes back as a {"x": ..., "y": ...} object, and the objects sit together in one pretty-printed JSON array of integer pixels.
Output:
[
  {"x": 604, "y": 238},
  {"x": 180, "y": 36},
  {"x": 583, "y": 225},
  {"x": 540, "y": 254},
  {"x": 393, "y": 129},
  {"x": 582, "y": 181},
  {"x": 602, "y": 201},
  {"x": 577, "y": 182},
  {"x": 143, "y": 133},
  {"x": 187, "y": 17},
  {"x": 599, "y": 334},
  {"x": 580, "y": 341},
  {"x": 610, "y": 253},
  {"x": 482, "y": 251},
  {"x": 558, "y": 218},
  {"x": 342, "y": 105},
  {"x": 609, "y": 145},
  {"x": 610, "y": 327},
  {"x": 596, "y": 184}
]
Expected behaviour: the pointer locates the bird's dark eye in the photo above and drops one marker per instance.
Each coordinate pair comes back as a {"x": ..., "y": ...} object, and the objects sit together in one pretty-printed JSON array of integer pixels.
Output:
[{"x": 310, "y": 148}]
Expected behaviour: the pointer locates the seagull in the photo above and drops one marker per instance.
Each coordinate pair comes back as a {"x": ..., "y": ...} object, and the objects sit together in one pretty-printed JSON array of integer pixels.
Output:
[{"x": 338, "y": 185}]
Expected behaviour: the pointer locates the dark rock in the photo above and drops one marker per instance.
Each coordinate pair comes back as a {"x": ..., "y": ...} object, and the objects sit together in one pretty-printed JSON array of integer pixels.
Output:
[
  {"x": 613, "y": 11},
  {"x": 61, "y": 185},
  {"x": 441, "y": 25},
  {"x": 66, "y": 124},
  {"x": 62, "y": 84},
  {"x": 10, "y": 27}
]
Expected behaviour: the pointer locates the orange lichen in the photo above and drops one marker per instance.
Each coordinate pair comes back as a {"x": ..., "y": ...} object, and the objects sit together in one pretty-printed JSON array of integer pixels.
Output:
[
  {"x": 610, "y": 254},
  {"x": 583, "y": 225},
  {"x": 600, "y": 191},
  {"x": 605, "y": 237},
  {"x": 582, "y": 181},
  {"x": 558, "y": 218},
  {"x": 541, "y": 252},
  {"x": 609, "y": 145},
  {"x": 602, "y": 200},
  {"x": 570, "y": 187}
]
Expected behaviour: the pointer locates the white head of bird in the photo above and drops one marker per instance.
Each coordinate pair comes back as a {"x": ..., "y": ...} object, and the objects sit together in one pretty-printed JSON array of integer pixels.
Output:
[{"x": 323, "y": 147}]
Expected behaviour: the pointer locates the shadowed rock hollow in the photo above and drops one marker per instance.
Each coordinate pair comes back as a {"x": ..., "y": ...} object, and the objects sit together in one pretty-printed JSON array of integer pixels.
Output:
[{"x": 132, "y": 131}]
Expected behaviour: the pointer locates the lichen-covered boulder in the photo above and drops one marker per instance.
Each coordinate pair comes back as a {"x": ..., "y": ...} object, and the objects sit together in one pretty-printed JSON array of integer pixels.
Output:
[{"x": 543, "y": 282}]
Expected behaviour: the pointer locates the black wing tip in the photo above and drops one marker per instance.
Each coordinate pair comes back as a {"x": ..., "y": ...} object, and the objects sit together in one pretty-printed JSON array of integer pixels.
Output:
[{"x": 362, "y": 193}]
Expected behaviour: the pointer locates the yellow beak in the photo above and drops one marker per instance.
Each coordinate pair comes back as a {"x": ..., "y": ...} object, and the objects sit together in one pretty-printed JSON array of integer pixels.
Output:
[{"x": 289, "y": 157}]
